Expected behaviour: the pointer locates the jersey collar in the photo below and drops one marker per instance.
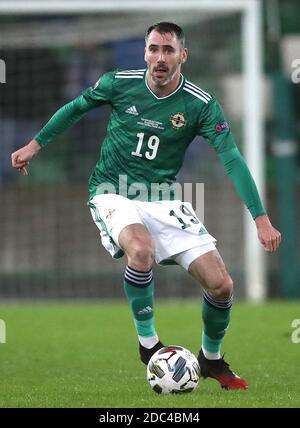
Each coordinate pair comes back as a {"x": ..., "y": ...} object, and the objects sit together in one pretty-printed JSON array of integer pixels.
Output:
[{"x": 167, "y": 96}]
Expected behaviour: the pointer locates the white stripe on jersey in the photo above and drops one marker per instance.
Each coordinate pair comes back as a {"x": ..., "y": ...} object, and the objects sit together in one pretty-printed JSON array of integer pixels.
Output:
[
  {"x": 199, "y": 89},
  {"x": 196, "y": 94},
  {"x": 141, "y": 71},
  {"x": 131, "y": 76}
]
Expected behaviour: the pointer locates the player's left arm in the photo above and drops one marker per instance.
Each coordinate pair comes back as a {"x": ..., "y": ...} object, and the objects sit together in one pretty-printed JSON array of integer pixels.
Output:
[
  {"x": 244, "y": 183},
  {"x": 216, "y": 130}
]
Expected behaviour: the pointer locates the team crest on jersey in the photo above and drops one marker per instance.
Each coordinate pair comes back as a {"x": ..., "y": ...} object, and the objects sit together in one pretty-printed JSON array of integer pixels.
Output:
[{"x": 178, "y": 120}]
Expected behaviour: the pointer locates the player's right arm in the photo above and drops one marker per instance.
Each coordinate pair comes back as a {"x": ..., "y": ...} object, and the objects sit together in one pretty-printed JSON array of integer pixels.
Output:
[{"x": 63, "y": 119}]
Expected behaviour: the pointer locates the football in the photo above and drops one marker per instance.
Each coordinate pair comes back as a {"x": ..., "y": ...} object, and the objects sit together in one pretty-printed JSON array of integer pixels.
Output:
[{"x": 173, "y": 370}]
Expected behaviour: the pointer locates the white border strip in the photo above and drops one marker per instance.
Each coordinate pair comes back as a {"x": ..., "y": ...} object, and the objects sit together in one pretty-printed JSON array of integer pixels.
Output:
[
  {"x": 253, "y": 147},
  {"x": 91, "y": 6},
  {"x": 255, "y": 269}
]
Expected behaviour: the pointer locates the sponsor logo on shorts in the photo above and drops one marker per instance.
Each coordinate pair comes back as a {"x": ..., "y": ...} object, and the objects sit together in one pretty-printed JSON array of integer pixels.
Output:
[{"x": 109, "y": 214}]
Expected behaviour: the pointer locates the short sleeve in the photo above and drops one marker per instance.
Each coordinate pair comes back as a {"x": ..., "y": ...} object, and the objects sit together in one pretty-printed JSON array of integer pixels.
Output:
[
  {"x": 214, "y": 127},
  {"x": 101, "y": 92}
]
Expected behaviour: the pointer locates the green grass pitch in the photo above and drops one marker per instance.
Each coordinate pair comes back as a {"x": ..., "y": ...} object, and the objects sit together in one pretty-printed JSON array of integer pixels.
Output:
[{"x": 85, "y": 355}]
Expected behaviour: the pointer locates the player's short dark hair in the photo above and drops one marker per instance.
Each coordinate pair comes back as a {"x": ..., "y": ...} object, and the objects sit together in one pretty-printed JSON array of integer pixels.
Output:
[{"x": 167, "y": 27}]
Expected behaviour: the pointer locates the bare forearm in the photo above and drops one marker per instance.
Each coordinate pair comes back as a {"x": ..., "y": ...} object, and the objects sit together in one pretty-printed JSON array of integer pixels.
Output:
[
  {"x": 21, "y": 157},
  {"x": 267, "y": 234}
]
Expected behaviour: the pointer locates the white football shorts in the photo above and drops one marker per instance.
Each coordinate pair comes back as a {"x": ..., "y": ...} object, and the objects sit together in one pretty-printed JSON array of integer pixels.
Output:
[{"x": 178, "y": 234}]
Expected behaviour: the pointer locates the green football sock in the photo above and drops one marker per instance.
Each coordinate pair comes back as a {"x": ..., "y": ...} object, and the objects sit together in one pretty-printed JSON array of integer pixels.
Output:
[
  {"x": 139, "y": 289},
  {"x": 215, "y": 316}
]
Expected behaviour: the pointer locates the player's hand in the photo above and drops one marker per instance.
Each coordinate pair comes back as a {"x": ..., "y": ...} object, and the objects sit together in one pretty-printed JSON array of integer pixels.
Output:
[
  {"x": 267, "y": 234},
  {"x": 20, "y": 159}
]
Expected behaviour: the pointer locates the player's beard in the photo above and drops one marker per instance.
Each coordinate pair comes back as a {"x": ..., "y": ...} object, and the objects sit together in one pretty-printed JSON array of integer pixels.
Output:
[{"x": 170, "y": 74}]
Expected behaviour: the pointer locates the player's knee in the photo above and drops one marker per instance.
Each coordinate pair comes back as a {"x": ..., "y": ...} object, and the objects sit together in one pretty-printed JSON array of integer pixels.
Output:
[
  {"x": 222, "y": 288},
  {"x": 141, "y": 255}
]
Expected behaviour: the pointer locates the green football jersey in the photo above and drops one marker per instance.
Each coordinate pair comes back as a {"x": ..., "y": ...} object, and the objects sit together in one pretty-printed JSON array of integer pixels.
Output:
[{"x": 147, "y": 135}]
